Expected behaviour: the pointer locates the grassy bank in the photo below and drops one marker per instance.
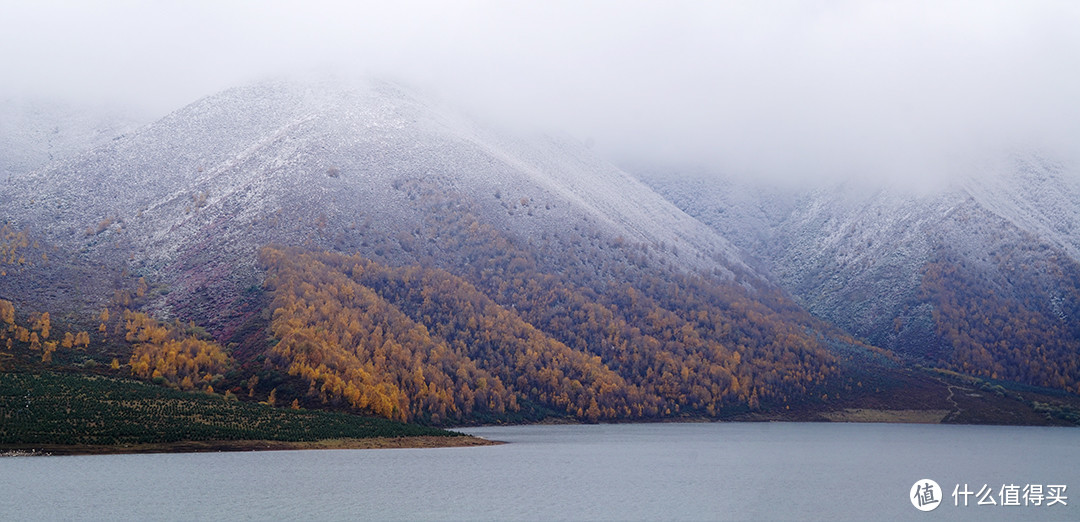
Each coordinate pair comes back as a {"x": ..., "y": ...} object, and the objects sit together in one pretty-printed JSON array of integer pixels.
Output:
[{"x": 62, "y": 413}]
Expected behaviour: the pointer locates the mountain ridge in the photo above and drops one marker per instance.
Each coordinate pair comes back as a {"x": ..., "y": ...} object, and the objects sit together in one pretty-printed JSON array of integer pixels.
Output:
[
  {"x": 492, "y": 269},
  {"x": 590, "y": 265},
  {"x": 871, "y": 261},
  {"x": 165, "y": 179}
]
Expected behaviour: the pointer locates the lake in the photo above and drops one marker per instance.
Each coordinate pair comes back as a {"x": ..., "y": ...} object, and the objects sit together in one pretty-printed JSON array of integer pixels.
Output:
[{"x": 707, "y": 471}]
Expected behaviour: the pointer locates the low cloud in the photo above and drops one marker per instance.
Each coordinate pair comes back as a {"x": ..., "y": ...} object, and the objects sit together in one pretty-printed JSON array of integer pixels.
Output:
[{"x": 907, "y": 91}]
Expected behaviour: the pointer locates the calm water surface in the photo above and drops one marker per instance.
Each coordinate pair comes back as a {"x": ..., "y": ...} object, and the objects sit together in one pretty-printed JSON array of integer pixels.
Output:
[{"x": 760, "y": 471}]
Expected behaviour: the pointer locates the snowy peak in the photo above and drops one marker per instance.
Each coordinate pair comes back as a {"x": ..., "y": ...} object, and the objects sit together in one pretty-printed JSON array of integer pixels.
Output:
[
  {"x": 367, "y": 167},
  {"x": 955, "y": 278},
  {"x": 35, "y": 132},
  {"x": 1039, "y": 196}
]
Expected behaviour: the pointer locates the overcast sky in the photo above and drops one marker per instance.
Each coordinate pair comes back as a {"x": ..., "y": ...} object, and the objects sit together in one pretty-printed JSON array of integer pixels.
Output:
[{"x": 903, "y": 89}]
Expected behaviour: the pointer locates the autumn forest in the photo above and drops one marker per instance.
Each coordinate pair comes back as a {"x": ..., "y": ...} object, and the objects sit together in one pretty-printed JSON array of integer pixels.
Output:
[{"x": 481, "y": 326}]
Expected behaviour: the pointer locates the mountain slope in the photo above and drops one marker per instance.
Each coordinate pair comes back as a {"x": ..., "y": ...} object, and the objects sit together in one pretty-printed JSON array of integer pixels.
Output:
[
  {"x": 190, "y": 198},
  {"x": 513, "y": 269},
  {"x": 35, "y": 132},
  {"x": 1035, "y": 195},
  {"x": 944, "y": 277}
]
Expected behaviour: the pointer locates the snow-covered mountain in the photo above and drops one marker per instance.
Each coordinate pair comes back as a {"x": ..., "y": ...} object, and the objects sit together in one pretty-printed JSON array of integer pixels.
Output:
[
  {"x": 34, "y": 132},
  {"x": 1035, "y": 194},
  {"x": 915, "y": 272},
  {"x": 186, "y": 201},
  {"x": 676, "y": 283}
]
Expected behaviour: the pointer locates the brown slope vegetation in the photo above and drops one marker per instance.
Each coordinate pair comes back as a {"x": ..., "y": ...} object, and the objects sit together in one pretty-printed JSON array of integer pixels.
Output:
[
  {"x": 354, "y": 347},
  {"x": 393, "y": 340},
  {"x": 980, "y": 277},
  {"x": 1026, "y": 332},
  {"x": 174, "y": 355},
  {"x": 179, "y": 358},
  {"x": 37, "y": 341},
  {"x": 477, "y": 323},
  {"x": 650, "y": 322},
  {"x": 540, "y": 368},
  {"x": 13, "y": 244}
]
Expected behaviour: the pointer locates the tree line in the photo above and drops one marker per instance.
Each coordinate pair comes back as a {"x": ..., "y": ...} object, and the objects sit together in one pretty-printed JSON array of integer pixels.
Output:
[
  {"x": 422, "y": 343},
  {"x": 1026, "y": 332}
]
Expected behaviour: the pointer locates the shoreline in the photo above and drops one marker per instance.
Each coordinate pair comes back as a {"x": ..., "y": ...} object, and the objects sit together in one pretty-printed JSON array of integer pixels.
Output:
[
  {"x": 212, "y": 446},
  {"x": 841, "y": 415}
]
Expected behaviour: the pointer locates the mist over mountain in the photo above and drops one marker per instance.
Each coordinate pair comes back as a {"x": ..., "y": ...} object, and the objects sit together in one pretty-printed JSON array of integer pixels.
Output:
[
  {"x": 944, "y": 276},
  {"x": 359, "y": 245},
  {"x": 606, "y": 300},
  {"x": 294, "y": 162},
  {"x": 905, "y": 91},
  {"x": 35, "y": 131}
]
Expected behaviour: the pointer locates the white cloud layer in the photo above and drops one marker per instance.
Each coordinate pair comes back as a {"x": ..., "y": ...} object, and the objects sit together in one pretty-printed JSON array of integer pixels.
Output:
[{"x": 903, "y": 90}]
